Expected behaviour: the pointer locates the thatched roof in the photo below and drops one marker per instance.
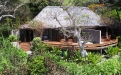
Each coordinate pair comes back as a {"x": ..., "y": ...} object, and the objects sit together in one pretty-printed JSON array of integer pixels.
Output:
[
  {"x": 83, "y": 17},
  {"x": 25, "y": 26}
]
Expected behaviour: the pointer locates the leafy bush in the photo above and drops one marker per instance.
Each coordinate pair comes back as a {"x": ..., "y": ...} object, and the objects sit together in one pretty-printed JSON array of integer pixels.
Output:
[
  {"x": 13, "y": 38},
  {"x": 119, "y": 41},
  {"x": 56, "y": 51},
  {"x": 119, "y": 38},
  {"x": 13, "y": 60},
  {"x": 111, "y": 51},
  {"x": 78, "y": 58},
  {"x": 36, "y": 65},
  {"x": 108, "y": 67},
  {"x": 36, "y": 41},
  {"x": 38, "y": 47},
  {"x": 93, "y": 58}
]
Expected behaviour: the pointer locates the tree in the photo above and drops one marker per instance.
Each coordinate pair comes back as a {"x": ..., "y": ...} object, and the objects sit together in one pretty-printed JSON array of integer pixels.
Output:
[
  {"x": 38, "y": 26},
  {"x": 76, "y": 23},
  {"x": 75, "y": 30},
  {"x": 37, "y": 5},
  {"x": 13, "y": 13},
  {"x": 8, "y": 8},
  {"x": 113, "y": 7}
]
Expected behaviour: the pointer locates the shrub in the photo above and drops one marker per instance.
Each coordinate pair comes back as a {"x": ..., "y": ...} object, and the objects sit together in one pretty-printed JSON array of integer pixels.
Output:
[
  {"x": 119, "y": 41},
  {"x": 106, "y": 67},
  {"x": 36, "y": 65},
  {"x": 109, "y": 67},
  {"x": 38, "y": 47},
  {"x": 13, "y": 38},
  {"x": 111, "y": 51},
  {"x": 78, "y": 58},
  {"x": 94, "y": 58},
  {"x": 56, "y": 51},
  {"x": 13, "y": 60},
  {"x": 36, "y": 41}
]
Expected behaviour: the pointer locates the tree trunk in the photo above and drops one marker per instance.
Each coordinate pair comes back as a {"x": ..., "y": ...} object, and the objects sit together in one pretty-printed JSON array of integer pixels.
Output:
[{"x": 80, "y": 43}]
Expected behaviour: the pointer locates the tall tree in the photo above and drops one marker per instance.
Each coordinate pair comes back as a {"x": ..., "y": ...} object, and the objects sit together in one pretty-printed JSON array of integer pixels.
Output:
[
  {"x": 69, "y": 14},
  {"x": 75, "y": 21}
]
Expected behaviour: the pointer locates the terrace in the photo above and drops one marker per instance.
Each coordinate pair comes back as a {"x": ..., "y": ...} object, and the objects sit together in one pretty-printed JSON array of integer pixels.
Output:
[{"x": 74, "y": 46}]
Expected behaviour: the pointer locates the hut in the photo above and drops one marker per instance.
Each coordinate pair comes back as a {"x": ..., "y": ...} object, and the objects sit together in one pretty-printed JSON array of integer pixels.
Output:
[{"x": 83, "y": 15}]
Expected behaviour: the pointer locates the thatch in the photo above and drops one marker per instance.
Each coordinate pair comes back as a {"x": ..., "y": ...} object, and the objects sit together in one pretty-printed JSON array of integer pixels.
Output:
[
  {"x": 83, "y": 15},
  {"x": 25, "y": 26}
]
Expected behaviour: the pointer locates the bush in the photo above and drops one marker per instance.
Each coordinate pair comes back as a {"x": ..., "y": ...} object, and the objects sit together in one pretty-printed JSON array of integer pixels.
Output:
[
  {"x": 38, "y": 47},
  {"x": 13, "y": 60},
  {"x": 106, "y": 67},
  {"x": 93, "y": 58},
  {"x": 109, "y": 67},
  {"x": 36, "y": 65},
  {"x": 36, "y": 41},
  {"x": 56, "y": 51},
  {"x": 111, "y": 51},
  {"x": 13, "y": 38},
  {"x": 119, "y": 41}
]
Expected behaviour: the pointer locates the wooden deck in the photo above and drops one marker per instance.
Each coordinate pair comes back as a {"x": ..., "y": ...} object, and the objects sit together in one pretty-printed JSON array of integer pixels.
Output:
[
  {"x": 103, "y": 45},
  {"x": 26, "y": 47}
]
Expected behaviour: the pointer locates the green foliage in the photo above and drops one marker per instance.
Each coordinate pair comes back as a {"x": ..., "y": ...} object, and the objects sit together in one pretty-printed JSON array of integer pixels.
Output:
[
  {"x": 109, "y": 67},
  {"x": 56, "y": 51},
  {"x": 94, "y": 58},
  {"x": 66, "y": 54},
  {"x": 119, "y": 38},
  {"x": 5, "y": 27},
  {"x": 85, "y": 2},
  {"x": 113, "y": 10},
  {"x": 53, "y": 56},
  {"x": 36, "y": 41},
  {"x": 38, "y": 5},
  {"x": 78, "y": 58},
  {"x": 111, "y": 51},
  {"x": 119, "y": 41},
  {"x": 38, "y": 47},
  {"x": 13, "y": 38},
  {"x": 13, "y": 60},
  {"x": 36, "y": 65},
  {"x": 36, "y": 44}
]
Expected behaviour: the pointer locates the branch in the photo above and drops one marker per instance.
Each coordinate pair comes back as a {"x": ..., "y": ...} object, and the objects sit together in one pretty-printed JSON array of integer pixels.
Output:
[
  {"x": 8, "y": 15},
  {"x": 4, "y": 5},
  {"x": 18, "y": 8},
  {"x": 86, "y": 37}
]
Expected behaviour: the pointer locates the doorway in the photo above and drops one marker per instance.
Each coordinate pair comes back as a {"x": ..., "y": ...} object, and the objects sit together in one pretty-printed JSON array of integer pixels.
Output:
[{"x": 26, "y": 35}]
